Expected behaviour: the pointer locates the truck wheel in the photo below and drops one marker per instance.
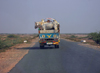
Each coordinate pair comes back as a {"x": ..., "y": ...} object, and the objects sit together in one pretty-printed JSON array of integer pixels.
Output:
[
  {"x": 41, "y": 47},
  {"x": 56, "y": 46}
]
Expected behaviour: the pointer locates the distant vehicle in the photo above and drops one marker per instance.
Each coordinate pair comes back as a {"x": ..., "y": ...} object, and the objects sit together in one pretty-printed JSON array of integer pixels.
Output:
[{"x": 49, "y": 32}]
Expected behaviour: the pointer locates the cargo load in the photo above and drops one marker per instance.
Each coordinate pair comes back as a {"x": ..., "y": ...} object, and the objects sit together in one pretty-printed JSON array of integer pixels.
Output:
[{"x": 47, "y": 25}]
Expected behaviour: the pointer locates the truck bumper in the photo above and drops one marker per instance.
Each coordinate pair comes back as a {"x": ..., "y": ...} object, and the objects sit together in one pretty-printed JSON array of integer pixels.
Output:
[
  {"x": 52, "y": 43},
  {"x": 49, "y": 43},
  {"x": 56, "y": 43}
]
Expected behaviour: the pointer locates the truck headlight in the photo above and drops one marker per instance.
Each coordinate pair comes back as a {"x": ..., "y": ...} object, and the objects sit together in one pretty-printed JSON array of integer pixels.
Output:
[
  {"x": 43, "y": 36},
  {"x": 57, "y": 37},
  {"x": 54, "y": 36}
]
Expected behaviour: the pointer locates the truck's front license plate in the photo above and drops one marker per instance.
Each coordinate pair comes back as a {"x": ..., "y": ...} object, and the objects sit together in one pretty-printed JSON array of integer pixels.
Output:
[{"x": 49, "y": 43}]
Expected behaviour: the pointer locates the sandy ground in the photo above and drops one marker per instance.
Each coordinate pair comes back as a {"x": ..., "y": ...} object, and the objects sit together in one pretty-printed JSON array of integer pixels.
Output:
[
  {"x": 90, "y": 46},
  {"x": 11, "y": 57},
  {"x": 86, "y": 45}
]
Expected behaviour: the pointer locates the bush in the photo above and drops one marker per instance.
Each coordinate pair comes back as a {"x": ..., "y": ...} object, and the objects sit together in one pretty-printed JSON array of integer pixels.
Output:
[
  {"x": 12, "y": 39},
  {"x": 95, "y": 36},
  {"x": 92, "y": 35},
  {"x": 12, "y": 36},
  {"x": 8, "y": 42},
  {"x": 73, "y": 36},
  {"x": 1, "y": 44},
  {"x": 83, "y": 37}
]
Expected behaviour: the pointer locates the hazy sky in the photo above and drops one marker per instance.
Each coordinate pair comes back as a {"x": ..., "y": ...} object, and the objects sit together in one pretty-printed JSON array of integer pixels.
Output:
[{"x": 74, "y": 16}]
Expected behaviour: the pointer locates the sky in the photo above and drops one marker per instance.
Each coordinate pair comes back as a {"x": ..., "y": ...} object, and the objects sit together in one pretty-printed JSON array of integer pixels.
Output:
[{"x": 74, "y": 16}]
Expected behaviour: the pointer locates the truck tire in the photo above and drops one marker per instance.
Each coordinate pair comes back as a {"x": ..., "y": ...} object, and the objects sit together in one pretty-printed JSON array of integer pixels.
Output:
[
  {"x": 41, "y": 46},
  {"x": 56, "y": 46}
]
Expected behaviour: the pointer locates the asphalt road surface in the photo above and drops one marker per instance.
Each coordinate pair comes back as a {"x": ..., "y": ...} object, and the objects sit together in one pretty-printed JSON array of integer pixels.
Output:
[{"x": 69, "y": 58}]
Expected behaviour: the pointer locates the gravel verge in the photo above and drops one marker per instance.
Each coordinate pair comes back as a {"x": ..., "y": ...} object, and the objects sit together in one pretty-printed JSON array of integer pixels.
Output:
[
  {"x": 12, "y": 56},
  {"x": 86, "y": 45}
]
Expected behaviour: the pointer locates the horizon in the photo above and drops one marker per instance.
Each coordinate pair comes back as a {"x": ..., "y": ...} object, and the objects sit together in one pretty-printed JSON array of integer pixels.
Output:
[
  {"x": 37, "y": 33},
  {"x": 74, "y": 16}
]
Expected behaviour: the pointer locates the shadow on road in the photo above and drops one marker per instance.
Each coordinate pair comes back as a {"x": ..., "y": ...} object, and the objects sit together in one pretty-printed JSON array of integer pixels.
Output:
[{"x": 37, "y": 48}]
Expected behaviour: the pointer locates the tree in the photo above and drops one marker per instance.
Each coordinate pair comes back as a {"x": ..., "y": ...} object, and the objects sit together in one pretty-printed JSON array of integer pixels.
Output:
[{"x": 95, "y": 36}]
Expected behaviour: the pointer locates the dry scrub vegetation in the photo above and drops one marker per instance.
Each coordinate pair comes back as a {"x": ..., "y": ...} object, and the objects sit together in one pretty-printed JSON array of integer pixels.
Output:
[
  {"x": 92, "y": 38},
  {"x": 7, "y": 41},
  {"x": 14, "y": 49}
]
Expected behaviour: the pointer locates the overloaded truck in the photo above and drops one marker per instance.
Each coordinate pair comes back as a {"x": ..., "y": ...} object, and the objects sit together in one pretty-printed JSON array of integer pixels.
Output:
[{"x": 49, "y": 32}]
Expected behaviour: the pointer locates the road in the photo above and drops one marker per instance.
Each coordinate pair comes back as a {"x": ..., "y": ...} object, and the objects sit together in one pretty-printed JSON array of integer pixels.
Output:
[{"x": 69, "y": 58}]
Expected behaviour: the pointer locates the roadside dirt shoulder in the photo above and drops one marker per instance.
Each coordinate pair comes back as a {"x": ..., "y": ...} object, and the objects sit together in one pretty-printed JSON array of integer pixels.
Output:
[
  {"x": 11, "y": 57},
  {"x": 67, "y": 40},
  {"x": 86, "y": 45},
  {"x": 90, "y": 46}
]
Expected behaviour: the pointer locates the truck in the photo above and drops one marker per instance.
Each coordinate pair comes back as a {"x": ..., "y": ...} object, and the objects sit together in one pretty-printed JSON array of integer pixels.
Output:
[{"x": 49, "y": 32}]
